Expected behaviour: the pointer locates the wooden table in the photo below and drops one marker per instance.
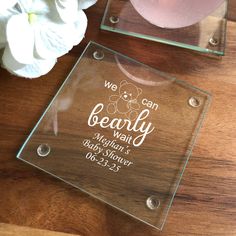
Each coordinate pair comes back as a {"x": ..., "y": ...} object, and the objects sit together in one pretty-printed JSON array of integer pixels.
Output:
[{"x": 205, "y": 203}]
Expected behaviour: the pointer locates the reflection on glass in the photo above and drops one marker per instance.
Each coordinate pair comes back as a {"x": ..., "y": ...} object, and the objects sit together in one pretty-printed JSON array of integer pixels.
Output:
[
  {"x": 175, "y": 13},
  {"x": 190, "y": 24}
]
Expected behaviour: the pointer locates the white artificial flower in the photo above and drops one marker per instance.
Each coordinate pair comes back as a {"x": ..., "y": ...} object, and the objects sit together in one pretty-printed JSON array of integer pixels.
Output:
[
  {"x": 37, "y": 68},
  {"x": 68, "y": 9},
  {"x": 37, "y": 32},
  {"x": 84, "y": 4},
  {"x": 7, "y": 4},
  {"x": 4, "y": 17}
]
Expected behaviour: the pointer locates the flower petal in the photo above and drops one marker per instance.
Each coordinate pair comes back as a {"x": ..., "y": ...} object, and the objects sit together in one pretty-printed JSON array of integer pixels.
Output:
[
  {"x": 34, "y": 6},
  {"x": 84, "y": 4},
  {"x": 7, "y": 4},
  {"x": 4, "y": 17},
  {"x": 36, "y": 69},
  {"x": 25, "y": 5},
  {"x": 53, "y": 40},
  {"x": 80, "y": 27},
  {"x": 20, "y": 38},
  {"x": 67, "y": 10}
]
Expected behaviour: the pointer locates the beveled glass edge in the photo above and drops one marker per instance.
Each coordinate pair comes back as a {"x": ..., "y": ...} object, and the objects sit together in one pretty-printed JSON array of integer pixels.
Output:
[
  {"x": 189, "y": 150},
  {"x": 226, "y": 26},
  {"x": 103, "y": 26},
  {"x": 164, "y": 41}
]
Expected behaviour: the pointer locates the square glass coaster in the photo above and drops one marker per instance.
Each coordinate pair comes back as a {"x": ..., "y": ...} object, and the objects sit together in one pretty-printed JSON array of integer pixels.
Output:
[
  {"x": 119, "y": 131},
  {"x": 207, "y": 36}
]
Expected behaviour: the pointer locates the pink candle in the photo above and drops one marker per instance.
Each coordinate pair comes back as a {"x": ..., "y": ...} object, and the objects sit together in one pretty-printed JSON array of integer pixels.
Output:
[{"x": 175, "y": 13}]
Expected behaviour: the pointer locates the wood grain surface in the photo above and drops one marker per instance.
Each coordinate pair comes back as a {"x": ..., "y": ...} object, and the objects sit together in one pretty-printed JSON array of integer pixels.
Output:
[
  {"x": 12, "y": 230},
  {"x": 232, "y": 10},
  {"x": 205, "y": 203}
]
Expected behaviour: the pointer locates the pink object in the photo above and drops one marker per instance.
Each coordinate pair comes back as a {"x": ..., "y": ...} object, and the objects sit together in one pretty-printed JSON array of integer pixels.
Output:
[{"x": 175, "y": 13}]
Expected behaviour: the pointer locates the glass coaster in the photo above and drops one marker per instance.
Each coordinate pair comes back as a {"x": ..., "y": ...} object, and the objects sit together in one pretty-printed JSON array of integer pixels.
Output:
[
  {"x": 119, "y": 131},
  {"x": 207, "y": 36}
]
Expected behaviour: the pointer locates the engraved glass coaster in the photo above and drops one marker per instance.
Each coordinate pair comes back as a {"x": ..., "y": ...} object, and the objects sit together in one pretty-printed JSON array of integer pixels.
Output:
[
  {"x": 169, "y": 22},
  {"x": 119, "y": 131}
]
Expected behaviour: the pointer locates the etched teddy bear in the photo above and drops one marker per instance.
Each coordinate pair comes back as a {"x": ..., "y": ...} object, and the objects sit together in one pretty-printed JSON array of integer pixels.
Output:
[{"x": 126, "y": 101}]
